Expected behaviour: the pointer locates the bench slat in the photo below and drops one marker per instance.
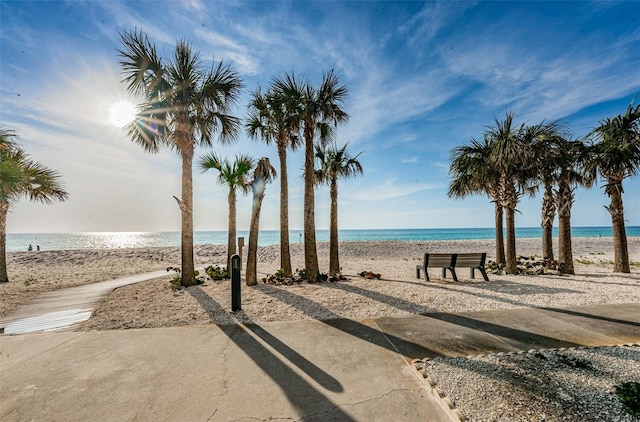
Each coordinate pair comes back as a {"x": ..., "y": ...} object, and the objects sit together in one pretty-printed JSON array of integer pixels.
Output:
[
  {"x": 439, "y": 260},
  {"x": 451, "y": 262},
  {"x": 470, "y": 260}
]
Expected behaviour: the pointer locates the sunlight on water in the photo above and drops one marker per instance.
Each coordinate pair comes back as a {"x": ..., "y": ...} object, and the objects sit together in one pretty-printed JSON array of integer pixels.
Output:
[{"x": 117, "y": 240}]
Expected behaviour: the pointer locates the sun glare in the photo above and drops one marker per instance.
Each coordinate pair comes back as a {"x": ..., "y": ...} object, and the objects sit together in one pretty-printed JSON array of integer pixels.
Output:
[{"x": 122, "y": 113}]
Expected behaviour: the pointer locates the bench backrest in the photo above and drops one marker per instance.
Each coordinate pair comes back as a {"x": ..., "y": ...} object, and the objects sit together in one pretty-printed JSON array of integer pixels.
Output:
[
  {"x": 445, "y": 260},
  {"x": 471, "y": 260}
]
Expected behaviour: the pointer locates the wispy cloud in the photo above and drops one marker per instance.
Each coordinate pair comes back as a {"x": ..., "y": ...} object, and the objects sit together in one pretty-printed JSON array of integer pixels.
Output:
[{"x": 389, "y": 189}]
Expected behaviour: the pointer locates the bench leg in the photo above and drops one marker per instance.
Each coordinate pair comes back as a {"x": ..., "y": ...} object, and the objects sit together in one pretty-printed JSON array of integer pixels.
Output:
[
  {"x": 453, "y": 273},
  {"x": 484, "y": 274},
  {"x": 418, "y": 271},
  {"x": 473, "y": 272},
  {"x": 444, "y": 273}
]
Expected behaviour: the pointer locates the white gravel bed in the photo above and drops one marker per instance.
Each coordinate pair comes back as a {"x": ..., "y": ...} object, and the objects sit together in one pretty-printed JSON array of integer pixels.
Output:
[{"x": 559, "y": 385}]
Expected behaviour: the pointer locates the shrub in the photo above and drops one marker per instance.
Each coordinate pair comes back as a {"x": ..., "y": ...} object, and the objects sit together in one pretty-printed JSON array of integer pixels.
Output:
[
  {"x": 176, "y": 281},
  {"x": 629, "y": 395},
  {"x": 216, "y": 272}
]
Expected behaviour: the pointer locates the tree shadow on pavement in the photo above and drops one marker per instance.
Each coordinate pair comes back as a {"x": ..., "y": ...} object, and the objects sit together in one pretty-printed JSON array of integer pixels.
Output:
[{"x": 302, "y": 395}]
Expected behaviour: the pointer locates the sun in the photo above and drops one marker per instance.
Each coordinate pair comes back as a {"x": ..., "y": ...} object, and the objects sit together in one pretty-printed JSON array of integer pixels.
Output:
[{"x": 122, "y": 113}]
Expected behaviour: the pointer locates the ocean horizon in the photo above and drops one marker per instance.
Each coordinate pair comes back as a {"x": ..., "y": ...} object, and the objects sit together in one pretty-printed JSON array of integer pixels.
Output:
[{"x": 115, "y": 240}]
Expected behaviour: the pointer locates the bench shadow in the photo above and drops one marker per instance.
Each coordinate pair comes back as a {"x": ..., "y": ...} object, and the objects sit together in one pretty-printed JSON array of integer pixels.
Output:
[
  {"x": 516, "y": 288},
  {"x": 525, "y": 337},
  {"x": 591, "y": 316},
  {"x": 302, "y": 395}
]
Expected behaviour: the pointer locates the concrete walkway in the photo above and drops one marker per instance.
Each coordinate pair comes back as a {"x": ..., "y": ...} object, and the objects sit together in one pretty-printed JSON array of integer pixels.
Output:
[
  {"x": 65, "y": 309},
  {"x": 340, "y": 370}
]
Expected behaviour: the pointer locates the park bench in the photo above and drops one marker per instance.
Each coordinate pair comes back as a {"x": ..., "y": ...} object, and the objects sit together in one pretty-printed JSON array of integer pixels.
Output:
[{"x": 451, "y": 261}]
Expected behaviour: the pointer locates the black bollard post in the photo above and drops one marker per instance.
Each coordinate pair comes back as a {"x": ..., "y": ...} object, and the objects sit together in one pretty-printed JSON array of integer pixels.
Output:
[{"x": 235, "y": 283}]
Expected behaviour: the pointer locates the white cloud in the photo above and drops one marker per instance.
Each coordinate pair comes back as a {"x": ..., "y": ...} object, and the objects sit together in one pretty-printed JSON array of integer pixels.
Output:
[{"x": 390, "y": 190}]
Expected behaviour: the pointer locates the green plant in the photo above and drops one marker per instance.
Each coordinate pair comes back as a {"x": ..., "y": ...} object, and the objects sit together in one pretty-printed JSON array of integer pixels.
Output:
[
  {"x": 176, "y": 281},
  {"x": 574, "y": 361},
  {"x": 302, "y": 273},
  {"x": 629, "y": 395},
  {"x": 322, "y": 277},
  {"x": 30, "y": 281},
  {"x": 216, "y": 272}
]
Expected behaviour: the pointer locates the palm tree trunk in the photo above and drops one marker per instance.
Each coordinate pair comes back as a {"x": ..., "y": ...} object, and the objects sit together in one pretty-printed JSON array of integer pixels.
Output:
[
  {"x": 510, "y": 202},
  {"x": 565, "y": 252},
  {"x": 4, "y": 209},
  {"x": 334, "y": 262},
  {"x": 499, "y": 211},
  {"x": 188, "y": 277},
  {"x": 620, "y": 249},
  {"x": 285, "y": 252},
  {"x": 511, "y": 266},
  {"x": 548, "y": 215},
  {"x": 252, "y": 252},
  {"x": 231, "y": 236},
  {"x": 310, "y": 248}
]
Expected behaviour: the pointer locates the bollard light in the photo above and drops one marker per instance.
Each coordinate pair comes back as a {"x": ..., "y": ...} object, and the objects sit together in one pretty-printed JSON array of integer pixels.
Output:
[{"x": 235, "y": 283}]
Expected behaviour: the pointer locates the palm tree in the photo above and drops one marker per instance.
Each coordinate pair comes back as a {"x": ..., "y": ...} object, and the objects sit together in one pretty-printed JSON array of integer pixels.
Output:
[
  {"x": 513, "y": 158},
  {"x": 545, "y": 152},
  {"x": 21, "y": 177},
  {"x": 571, "y": 157},
  {"x": 185, "y": 105},
  {"x": 510, "y": 156},
  {"x": 616, "y": 156},
  {"x": 270, "y": 120},
  {"x": 335, "y": 163},
  {"x": 232, "y": 175},
  {"x": 263, "y": 174},
  {"x": 473, "y": 174},
  {"x": 317, "y": 112}
]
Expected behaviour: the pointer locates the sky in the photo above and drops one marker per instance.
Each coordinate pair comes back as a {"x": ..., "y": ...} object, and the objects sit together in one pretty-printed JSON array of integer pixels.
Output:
[{"x": 423, "y": 78}]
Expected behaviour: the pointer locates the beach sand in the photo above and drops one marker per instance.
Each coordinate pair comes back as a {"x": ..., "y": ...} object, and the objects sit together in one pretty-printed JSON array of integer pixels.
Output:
[
  {"x": 515, "y": 388},
  {"x": 154, "y": 303}
]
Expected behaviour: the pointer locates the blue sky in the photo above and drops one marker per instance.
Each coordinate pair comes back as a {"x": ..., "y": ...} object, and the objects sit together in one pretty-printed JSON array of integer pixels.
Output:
[{"x": 422, "y": 77}]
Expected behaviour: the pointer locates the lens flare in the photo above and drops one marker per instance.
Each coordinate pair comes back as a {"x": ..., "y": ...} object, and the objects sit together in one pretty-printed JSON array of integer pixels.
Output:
[{"x": 122, "y": 113}]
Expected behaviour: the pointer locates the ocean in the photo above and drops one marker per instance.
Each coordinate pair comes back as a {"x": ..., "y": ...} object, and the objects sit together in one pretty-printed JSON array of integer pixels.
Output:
[{"x": 100, "y": 240}]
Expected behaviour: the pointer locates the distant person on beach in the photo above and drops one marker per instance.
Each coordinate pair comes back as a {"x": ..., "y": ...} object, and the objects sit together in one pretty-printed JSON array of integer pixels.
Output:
[
  {"x": 38, "y": 248},
  {"x": 30, "y": 248}
]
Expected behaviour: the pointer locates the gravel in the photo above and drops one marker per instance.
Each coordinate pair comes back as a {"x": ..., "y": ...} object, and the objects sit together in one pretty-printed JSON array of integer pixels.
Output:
[{"x": 545, "y": 385}]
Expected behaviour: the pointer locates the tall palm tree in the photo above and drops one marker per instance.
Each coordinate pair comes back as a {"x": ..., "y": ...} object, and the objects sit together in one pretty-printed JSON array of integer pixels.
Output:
[
  {"x": 270, "y": 120},
  {"x": 233, "y": 175},
  {"x": 570, "y": 159},
  {"x": 510, "y": 154},
  {"x": 21, "y": 177},
  {"x": 335, "y": 163},
  {"x": 513, "y": 158},
  {"x": 262, "y": 174},
  {"x": 616, "y": 156},
  {"x": 317, "y": 111},
  {"x": 185, "y": 105},
  {"x": 472, "y": 174},
  {"x": 546, "y": 153}
]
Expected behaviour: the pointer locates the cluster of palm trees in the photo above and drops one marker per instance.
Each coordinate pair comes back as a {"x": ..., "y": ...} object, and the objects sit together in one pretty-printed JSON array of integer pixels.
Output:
[
  {"x": 21, "y": 177},
  {"x": 186, "y": 106},
  {"x": 514, "y": 160}
]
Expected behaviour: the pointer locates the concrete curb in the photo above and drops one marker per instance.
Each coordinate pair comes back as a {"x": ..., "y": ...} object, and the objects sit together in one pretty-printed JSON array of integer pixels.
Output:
[{"x": 441, "y": 398}]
